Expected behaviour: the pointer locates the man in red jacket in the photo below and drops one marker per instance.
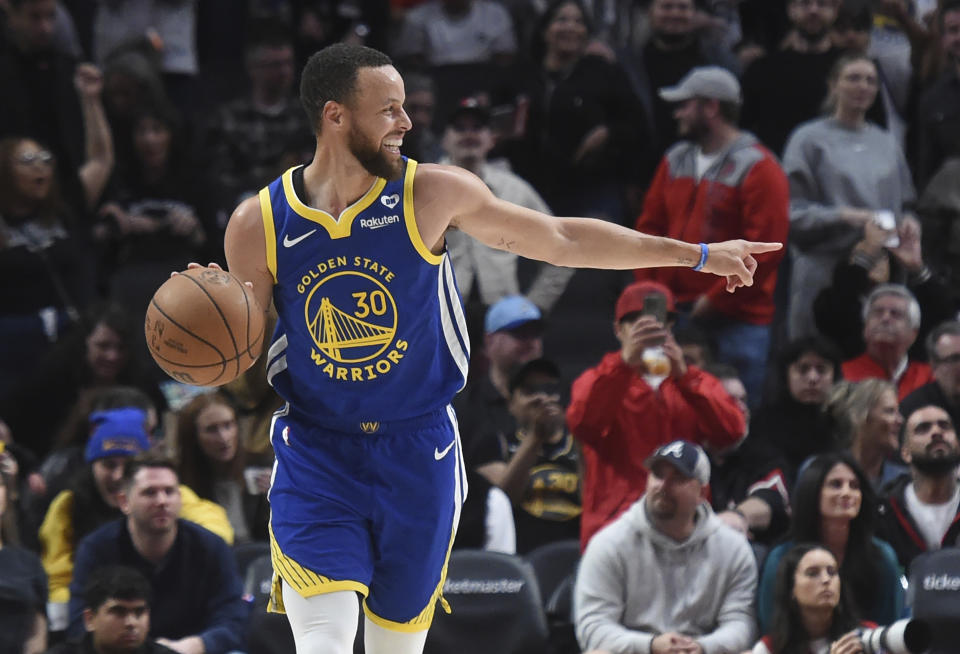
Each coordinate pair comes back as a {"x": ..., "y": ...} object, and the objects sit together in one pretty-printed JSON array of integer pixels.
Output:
[
  {"x": 891, "y": 322},
  {"x": 621, "y": 411},
  {"x": 719, "y": 183}
]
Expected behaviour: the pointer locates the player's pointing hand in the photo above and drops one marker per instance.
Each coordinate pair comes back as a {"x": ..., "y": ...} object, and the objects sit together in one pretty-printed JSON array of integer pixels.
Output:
[{"x": 734, "y": 260}]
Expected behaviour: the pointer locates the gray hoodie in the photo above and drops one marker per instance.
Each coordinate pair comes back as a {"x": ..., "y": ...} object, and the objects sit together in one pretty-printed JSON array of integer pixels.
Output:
[{"x": 635, "y": 582}]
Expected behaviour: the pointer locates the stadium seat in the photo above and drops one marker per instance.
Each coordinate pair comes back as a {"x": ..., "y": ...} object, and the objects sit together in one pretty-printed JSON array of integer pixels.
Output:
[
  {"x": 496, "y": 607},
  {"x": 246, "y": 553},
  {"x": 934, "y": 595},
  {"x": 552, "y": 563}
]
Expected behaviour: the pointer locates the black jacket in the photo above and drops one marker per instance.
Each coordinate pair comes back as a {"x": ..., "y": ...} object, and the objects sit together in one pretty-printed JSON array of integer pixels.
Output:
[
  {"x": 897, "y": 526},
  {"x": 85, "y": 646}
]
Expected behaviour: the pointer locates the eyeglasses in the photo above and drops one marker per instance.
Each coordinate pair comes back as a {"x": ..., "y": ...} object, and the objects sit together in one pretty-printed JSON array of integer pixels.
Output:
[
  {"x": 950, "y": 358},
  {"x": 44, "y": 157}
]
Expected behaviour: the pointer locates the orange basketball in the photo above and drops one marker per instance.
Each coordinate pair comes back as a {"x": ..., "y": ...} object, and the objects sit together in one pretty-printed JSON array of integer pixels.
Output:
[{"x": 204, "y": 327}]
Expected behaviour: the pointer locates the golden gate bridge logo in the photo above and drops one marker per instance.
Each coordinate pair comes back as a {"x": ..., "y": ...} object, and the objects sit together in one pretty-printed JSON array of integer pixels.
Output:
[{"x": 351, "y": 322}]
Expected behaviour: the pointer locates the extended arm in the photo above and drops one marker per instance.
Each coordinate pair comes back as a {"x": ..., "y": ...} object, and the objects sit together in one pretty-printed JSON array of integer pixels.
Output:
[{"x": 448, "y": 196}]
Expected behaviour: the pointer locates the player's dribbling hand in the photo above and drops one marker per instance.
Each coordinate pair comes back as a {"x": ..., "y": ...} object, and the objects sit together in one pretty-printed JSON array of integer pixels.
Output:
[
  {"x": 734, "y": 260},
  {"x": 216, "y": 266}
]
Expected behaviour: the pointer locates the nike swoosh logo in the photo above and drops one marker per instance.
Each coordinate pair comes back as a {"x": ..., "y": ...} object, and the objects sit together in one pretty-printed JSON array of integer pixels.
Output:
[
  {"x": 437, "y": 454},
  {"x": 290, "y": 242}
]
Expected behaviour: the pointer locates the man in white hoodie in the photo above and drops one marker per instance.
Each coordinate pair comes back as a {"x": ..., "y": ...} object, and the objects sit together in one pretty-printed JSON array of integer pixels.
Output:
[{"x": 668, "y": 577}]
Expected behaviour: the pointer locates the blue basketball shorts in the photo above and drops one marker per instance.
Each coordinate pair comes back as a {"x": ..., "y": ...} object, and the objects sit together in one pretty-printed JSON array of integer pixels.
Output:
[{"x": 370, "y": 507}]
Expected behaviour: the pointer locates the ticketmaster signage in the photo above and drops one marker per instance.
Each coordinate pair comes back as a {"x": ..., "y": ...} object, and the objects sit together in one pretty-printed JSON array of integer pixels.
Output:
[{"x": 485, "y": 586}]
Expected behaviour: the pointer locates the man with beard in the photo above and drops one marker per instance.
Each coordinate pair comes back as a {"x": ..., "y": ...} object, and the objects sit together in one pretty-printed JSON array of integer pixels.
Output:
[
  {"x": 198, "y": 605},
  {"x": 921, "y": 511},
  {"x": 787, "y": 87},
  {"x": 717, "y": 183},
  {"x": 371, "y": 346},
  {"x": 668, "y": 576}
]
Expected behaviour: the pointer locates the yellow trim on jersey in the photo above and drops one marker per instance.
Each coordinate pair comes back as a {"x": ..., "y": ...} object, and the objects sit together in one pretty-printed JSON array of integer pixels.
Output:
[
  {"x": 269, "y": 231},
  {"x": 425, "y": 618},
  {"x": 306, "y": 582},
  {"x": 337, "y": 228},
  {"x": 412, "y": 230}
]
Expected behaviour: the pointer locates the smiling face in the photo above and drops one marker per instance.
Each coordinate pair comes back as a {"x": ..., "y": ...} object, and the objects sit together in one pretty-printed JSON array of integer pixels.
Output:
[
  {"x": 672, "y": 17},
  {"x": 883, "y": 423},
  {"x": 378, "y": 121},
  {"x": 816, "y": 581},
  {"x": 692, "y": 121},
  {"x": 840, "y": 495},
  {"x": 566, "y": 33},
  {"x": 108, "y": 477}
]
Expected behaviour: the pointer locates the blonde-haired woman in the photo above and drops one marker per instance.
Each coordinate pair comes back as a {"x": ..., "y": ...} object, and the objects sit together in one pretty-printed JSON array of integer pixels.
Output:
[
  {"x": 867, "y": 421},
  {"x": 842, "y": 171}
]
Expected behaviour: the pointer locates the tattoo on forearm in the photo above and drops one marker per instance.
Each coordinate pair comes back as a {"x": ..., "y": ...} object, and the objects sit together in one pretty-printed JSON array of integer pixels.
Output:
[
  {"x": 687, "y": 261},
  {"x": 507, "y": 245}
]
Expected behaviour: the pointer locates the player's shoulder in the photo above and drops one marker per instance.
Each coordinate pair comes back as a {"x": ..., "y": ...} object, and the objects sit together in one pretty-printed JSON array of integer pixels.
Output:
[
  {"x": 444, "y": 181},
  {"x": 248, "y": 213}
]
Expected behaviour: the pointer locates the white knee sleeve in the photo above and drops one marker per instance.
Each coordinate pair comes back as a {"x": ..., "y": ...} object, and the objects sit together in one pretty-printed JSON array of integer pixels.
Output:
[
  {"x": 377, "y": 640},
  {"x": 322, "y": 624}
]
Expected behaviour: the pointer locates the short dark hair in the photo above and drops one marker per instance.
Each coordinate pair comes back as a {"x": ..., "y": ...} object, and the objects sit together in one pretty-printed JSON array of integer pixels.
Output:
[
  {"x": 331, "y": 75},
  {"x": 135, "y": 464},
  {"x": 116, "y": 582},
  {"x": 523, "y": 372},
  {"x": 951, "y": 327}
]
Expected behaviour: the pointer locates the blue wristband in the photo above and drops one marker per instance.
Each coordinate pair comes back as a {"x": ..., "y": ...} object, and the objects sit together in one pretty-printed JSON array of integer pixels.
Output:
[{"x": 704, "y": 251}]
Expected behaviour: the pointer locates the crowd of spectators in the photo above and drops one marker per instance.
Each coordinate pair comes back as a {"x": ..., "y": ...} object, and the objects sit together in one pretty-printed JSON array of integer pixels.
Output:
[{"x": 812, "y": 415}]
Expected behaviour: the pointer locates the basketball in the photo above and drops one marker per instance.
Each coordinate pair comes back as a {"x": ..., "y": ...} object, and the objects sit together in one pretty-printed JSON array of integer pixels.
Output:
[{"x": 204, "y": 327}]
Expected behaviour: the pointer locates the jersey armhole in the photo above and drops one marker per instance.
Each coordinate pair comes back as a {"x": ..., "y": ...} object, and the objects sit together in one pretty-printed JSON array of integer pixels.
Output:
[
  {"x": 411, "y": 221},
  {"x": 269, "y": 232}
]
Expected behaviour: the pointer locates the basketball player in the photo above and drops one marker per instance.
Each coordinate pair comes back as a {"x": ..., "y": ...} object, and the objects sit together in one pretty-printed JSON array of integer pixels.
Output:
[{"x": 371, "y": 347}]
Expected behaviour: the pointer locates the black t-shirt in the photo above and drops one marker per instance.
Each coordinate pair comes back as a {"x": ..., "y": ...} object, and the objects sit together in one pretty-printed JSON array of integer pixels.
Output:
[
  {"x": 551, "y": 507},
  {"x": 782, "y": 90},
  {"x": 42, "y": 266}
]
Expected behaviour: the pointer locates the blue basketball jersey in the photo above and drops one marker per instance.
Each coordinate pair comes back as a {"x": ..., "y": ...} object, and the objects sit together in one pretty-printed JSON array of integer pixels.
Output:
[{"x": 370, "y": 326}]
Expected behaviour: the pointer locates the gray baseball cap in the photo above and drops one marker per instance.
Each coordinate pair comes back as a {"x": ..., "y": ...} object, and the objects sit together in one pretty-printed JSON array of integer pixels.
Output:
[{"x": 705, "y": 82}]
